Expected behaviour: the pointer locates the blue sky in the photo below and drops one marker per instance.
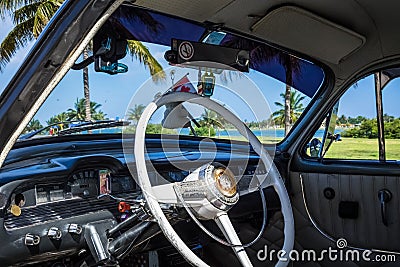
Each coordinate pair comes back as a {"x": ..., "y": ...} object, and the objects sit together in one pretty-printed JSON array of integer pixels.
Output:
[{"x": 115, "y": 92}]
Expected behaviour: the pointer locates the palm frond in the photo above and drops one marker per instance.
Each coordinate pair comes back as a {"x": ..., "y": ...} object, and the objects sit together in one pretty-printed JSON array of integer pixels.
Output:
[
  {"x": 19, "y": 36},
  {"x": 9, "y": 6},
  {"x": 296, "y": 107},
  {"x": 139, "y": 51},
  {"x": 25, "y": 13},
  {"x": 43, "y": 14}
]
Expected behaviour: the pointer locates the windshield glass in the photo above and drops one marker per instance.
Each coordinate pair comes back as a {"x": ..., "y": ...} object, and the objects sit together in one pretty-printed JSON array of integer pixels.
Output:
[{"x": 257, "y": 97}]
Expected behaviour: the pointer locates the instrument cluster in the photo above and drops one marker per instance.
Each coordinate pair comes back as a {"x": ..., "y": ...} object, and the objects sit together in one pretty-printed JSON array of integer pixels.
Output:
[{"x": 84, "y": 184}]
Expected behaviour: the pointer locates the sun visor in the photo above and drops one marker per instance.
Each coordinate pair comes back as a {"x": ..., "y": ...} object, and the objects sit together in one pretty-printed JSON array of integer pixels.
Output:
[{"x": 305, "y": 32}]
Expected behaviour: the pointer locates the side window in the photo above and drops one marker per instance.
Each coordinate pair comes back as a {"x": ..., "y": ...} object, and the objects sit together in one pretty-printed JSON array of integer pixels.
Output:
[
  {"x": 391, "y": 118},
  {"x": 350, "y": 130}
]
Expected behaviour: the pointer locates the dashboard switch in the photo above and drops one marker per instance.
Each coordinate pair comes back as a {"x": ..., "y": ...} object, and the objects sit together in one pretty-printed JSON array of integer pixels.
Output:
[
  {"x": 32, "y": 240},
  {"x": 74, "y": 228},
  {"x": 123, "y": 207},
  {"x": 54, "y": 233}
]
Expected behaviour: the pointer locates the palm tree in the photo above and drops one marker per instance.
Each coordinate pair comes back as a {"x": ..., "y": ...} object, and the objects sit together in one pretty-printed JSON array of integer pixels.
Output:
[
  {"x": 33, "y": 125},
  {"x": 31, "y": 16},
  {"x": 135, "y": 113},
  {"x": 292, "y": 67},
  {"x": 137, "y": 50},
  {"x": 86, "y": 91},
  {"x": 342, "y": 120},
  {"x": 295, "y": 105},
  {"x": 59, "y": 118},
  {"x": 62, "y": 117},
  {"x": 210, "y": 120},
  {"x": 79, "y": 111},
  {"x": 260, "y": 54}
]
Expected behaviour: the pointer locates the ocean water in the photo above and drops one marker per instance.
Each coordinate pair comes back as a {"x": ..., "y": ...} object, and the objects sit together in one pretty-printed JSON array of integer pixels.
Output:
[{"x": 278, "y": 133}]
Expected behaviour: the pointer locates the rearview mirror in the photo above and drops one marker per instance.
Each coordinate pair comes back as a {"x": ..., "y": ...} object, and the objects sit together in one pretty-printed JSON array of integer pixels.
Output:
[{"x": 107, "y": 50}]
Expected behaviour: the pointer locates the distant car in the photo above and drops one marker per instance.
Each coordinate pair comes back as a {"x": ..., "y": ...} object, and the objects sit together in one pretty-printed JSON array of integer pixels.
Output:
[{"x": 270, "y": 139}]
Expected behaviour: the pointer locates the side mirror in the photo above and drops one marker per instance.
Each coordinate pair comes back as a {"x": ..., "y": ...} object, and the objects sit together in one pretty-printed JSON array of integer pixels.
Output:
[
  {"x": 334, "y": 137},
  {"x": 315, "y": 147}
]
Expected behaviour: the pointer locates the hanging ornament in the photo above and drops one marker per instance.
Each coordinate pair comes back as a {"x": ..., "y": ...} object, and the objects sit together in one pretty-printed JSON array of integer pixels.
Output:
[{"x": 208, "y": 83}]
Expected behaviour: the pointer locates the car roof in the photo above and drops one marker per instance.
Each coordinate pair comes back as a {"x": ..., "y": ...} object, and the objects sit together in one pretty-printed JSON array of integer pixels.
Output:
[{"x": 346, "y": 35}]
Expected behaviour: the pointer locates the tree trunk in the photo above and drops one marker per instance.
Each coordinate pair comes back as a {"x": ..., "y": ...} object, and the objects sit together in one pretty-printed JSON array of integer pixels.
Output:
[
  {"x": 287, "y": 97},
  {"x": 86, "y": 92}
]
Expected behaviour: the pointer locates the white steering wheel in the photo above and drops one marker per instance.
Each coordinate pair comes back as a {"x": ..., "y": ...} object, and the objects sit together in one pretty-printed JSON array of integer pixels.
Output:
[{"x": 215, "y": 199}]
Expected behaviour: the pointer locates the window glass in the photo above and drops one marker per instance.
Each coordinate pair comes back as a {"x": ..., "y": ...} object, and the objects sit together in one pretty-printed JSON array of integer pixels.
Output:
[
  {"x": 269, "y": 98},
  {"x": 262, "y": 111},
  {"x": 355, "y": 135},
  {"x": 391, "y": 118}
]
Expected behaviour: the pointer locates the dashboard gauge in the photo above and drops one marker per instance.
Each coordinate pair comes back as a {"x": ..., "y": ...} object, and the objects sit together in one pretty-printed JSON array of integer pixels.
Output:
[
  {"x": 41, "y": 196},
  {"x": 49, "y": 193},
  {"x": 87, "y": 183},
  {"x": 56, "y": 195},
  {"x": 84, "y": 183}
]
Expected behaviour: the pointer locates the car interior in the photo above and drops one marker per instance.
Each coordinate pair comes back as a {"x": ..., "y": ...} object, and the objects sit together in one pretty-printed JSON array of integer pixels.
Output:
[{"x": 173, "y": 197}]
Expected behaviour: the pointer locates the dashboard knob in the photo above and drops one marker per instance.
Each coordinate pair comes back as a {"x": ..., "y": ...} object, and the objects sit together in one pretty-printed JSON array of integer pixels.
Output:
[
  {"x": 74, "y": 228},
  {"x": 32, "y": 240},
  {"x": 54, "y": 233}
]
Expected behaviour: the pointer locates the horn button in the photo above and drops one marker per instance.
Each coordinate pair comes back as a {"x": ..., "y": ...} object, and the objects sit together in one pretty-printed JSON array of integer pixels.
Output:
[{"x": 209, "y": 190}]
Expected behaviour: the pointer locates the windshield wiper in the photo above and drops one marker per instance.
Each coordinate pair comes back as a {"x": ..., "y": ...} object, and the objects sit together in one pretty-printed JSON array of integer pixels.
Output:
[
  {"x": 77, "y": 126},
  {"x": 92, "y": 125}
]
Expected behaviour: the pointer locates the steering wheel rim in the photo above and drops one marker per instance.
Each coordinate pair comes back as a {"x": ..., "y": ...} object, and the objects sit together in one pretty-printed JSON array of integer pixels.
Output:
[{"x": 275, "y": 179}]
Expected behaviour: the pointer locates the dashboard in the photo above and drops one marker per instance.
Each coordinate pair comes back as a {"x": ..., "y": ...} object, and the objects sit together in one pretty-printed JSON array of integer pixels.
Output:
[
  {"x": 87, "y": 183},
  {"x": 85, "y": 190},
  {"x": 59, "y": 204}
]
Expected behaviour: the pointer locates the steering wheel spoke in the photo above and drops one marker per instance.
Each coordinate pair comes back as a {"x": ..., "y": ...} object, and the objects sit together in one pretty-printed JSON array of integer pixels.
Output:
[
  {"x": 164, "y": 193},
  {"x": 225, "y": 225},
  {"x": 191, "y": 190}
]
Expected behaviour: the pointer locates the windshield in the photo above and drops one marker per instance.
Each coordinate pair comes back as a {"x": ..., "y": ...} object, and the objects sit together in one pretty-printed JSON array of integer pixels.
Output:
[{"x": 257, "y": 97}]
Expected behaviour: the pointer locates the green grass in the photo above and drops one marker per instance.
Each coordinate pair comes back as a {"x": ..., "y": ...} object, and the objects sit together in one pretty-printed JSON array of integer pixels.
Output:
[
  {"x": 363, "y": 148},
  {"x": 348, "y": 148},
  {"x": 352, "y": 148}
]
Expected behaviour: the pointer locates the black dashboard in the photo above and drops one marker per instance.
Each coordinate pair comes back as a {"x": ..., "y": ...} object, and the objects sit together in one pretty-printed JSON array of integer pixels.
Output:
[
  {"x": 55, "y": 204},
  {"x": 83, "y": 191}
]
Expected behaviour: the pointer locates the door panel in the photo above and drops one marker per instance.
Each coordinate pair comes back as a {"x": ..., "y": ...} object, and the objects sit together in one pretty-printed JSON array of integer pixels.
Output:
[{"x": 367, "y": 229}]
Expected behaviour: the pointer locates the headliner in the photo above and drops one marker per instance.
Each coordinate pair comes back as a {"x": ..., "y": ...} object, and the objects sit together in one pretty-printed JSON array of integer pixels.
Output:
[{"x": 371, "y": 19}]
